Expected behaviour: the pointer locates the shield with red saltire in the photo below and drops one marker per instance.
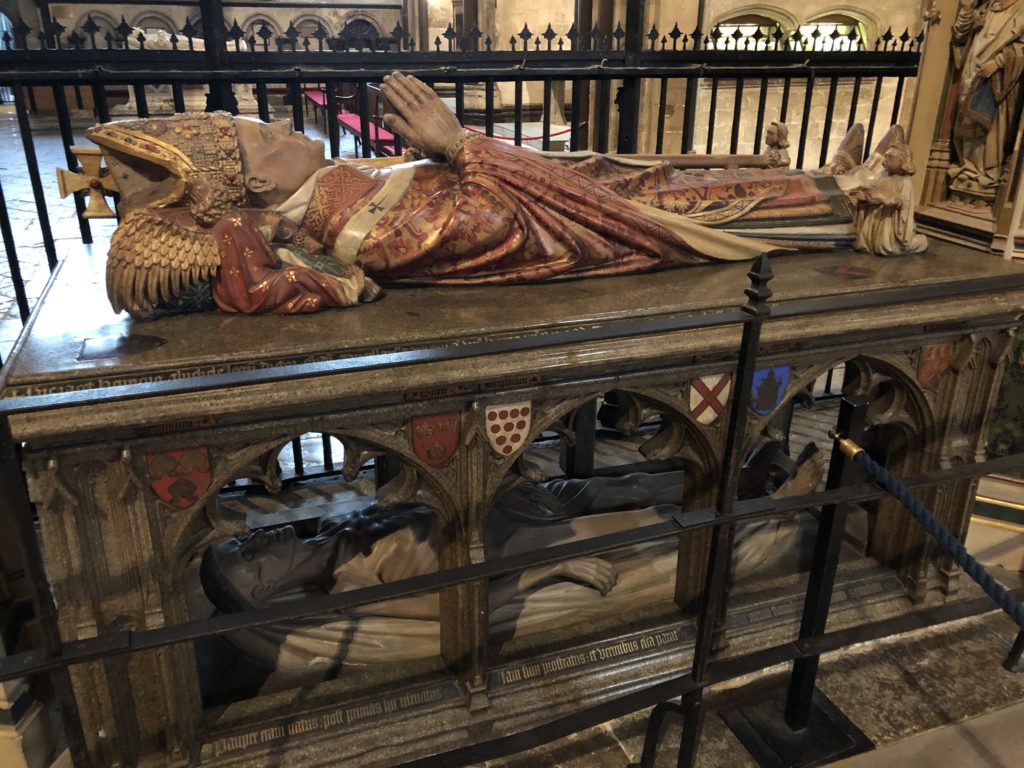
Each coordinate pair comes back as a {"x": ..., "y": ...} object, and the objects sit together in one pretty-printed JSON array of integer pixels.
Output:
[
  {"x": 179, "y": 477},
  {"x": 435, "y": 438},
  {"x": 934, "y": 360},
  {"x": 507, "y": 426},
  {"x": 708, "y": 396}
]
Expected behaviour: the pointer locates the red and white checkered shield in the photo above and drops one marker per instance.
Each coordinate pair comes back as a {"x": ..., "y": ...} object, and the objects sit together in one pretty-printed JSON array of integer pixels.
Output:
[
  {"x": 507, "y": 426},
  {"x": 708, "y": 396}
]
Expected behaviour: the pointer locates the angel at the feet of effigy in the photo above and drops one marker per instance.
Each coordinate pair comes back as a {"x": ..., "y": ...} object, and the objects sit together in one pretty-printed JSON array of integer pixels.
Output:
[{"x": 253, "y": 217}]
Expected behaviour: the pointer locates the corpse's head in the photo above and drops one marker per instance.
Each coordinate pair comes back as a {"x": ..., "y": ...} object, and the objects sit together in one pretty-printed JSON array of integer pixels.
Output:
[
  {"x": 250, "y": 570},
  {"x": 276, "y": 160}
]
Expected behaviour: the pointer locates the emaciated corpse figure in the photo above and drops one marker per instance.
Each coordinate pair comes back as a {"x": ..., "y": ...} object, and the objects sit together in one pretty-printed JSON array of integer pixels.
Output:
[{"x": 377, "y": 546}]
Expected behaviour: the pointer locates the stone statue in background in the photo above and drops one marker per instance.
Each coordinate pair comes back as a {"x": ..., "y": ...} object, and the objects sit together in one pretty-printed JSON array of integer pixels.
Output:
[
  {"x": 988, "y": 48},
  {"x": 160, "y": 96},
  {"x": 776, "y": 141},
  {"x": 255, "y": 212},
  {"x": 885, "y": 208}
]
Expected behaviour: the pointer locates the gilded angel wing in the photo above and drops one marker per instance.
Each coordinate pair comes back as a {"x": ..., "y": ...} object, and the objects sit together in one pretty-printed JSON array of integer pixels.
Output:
[{"x": 153, "y": 256}]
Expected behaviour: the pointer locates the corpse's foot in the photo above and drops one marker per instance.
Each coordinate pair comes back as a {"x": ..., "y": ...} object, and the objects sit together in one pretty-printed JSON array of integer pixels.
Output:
[{"x": 806, "y": 475}]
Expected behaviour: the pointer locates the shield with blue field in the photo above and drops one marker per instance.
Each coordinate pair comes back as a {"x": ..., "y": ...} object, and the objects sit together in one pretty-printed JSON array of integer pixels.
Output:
[{"x": 768, "y": 388}]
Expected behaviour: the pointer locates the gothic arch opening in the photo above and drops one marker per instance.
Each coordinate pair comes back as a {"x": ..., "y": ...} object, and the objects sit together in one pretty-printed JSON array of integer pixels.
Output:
[
  {"x": 838, "y": 30},
  {"x": 755, "y": 28},
  {"x": 150, "y": 20},
  {"x": 299, "y": 536}
]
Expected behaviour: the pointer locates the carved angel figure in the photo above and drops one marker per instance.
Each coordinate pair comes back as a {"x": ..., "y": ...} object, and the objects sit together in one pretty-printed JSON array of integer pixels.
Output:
[{"x": 885, "y": 208}]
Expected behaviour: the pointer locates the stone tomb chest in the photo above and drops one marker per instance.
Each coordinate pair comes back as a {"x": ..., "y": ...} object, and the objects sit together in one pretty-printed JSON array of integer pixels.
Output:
[{"x": 143, "y": 443}]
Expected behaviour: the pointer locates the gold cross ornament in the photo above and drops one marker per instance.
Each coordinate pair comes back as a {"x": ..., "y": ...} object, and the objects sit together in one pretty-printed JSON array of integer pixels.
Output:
[{"x": 97, "y": 181}]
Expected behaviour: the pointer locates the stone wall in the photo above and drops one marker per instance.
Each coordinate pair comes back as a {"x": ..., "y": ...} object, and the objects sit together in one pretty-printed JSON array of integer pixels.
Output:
[
  {"x": 333, "y": 16},
  {"x": 724, "y": 115}
]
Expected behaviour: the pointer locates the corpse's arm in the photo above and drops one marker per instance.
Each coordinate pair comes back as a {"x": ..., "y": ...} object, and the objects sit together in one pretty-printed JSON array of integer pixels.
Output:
[
  {"x": 607, "y": 494},
  {"x": 590, "y": 571},
  {"x": 406, "y": 557}
]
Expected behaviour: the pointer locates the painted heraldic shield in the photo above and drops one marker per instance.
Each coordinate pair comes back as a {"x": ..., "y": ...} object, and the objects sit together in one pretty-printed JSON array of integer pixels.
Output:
[
  {"x": 507, "y": 426},
  {"x": 435, "y": 438},
  {"x": 180, "y": 477},
  {"x": 935, "y": 359},
  {"x": 708, "y": 397},
  {"x": 768, "y": 389}
]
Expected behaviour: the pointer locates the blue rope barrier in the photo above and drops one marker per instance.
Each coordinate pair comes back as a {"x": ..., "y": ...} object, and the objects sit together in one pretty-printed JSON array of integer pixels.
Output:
[{"x": 950, "y": 543}]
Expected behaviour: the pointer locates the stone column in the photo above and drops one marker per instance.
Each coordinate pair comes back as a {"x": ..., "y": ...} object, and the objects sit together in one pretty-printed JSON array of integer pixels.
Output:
[
  {"x": 929, "y": 115},
  {"x": 104, "y": 561}
]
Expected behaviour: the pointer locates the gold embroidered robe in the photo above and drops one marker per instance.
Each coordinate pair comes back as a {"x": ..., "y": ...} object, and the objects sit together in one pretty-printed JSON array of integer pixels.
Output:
[{"x": 500, "y": 215}]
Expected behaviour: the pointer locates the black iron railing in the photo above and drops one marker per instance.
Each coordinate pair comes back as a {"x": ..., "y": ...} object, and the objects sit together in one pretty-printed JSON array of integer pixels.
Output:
[{"x": 56, "y": 657}]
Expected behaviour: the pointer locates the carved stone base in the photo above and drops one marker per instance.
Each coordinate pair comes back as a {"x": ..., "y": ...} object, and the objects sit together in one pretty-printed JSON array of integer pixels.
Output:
[
  {"x": 972, "y": 199},
  {"x": 971, "y": 227},
  {"x": 26, "y": 742},
  {"x": 949, "y": 581},
  {"x": 936, "y": 178}
]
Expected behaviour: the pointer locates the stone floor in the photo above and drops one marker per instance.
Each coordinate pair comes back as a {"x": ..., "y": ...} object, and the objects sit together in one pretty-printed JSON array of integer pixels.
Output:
[{"x": 916, "y": 697}]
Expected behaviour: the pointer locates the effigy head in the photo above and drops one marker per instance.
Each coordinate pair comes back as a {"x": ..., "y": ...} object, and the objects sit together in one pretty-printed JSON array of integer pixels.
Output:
[
  {"x": 177, "y": 177},
  {"x": 777, "y": 135},
  {"x": 161, "y": 162},
  {"x": 898, "y": 160},
  {"x": 276, "y": 160}
]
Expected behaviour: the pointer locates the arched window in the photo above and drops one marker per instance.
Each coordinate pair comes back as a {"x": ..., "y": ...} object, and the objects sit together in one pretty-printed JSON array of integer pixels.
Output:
[
  {"x": 100, "y": 26},
  {"x": 155, "y": 21},
  {"x": 307, "y": 26},
  {"x": 259, "y": 29},
  {"x": 360, "y": 33},
  {"x": 833, "y": 32},
  {"x": 312, "y": 31},
  {"x": 747, "y": 32}
]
